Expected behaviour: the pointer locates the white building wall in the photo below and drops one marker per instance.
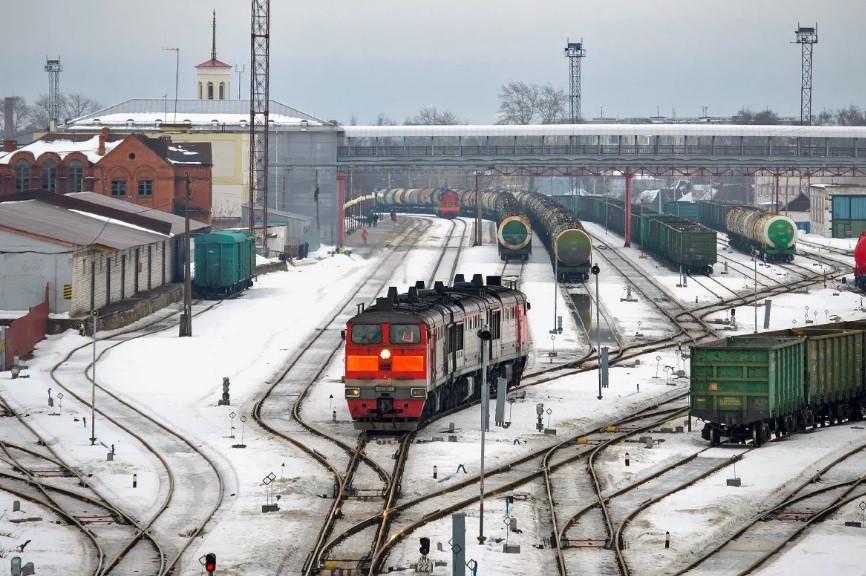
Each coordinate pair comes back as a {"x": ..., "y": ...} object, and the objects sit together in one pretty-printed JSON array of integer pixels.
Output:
[
  {"x": 100, "y": 278},
  {"x": 26, "y": 266}
]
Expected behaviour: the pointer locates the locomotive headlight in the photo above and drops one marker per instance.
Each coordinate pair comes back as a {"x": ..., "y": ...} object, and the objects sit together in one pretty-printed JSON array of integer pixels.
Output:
[
  {"x": 385, "y": 354},
  {"x": 353, "y": 392},
  {"x": 418, "y": 392}
]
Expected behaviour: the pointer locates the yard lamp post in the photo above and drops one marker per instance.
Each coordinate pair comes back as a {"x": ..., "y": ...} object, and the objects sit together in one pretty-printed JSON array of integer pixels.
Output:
[
  {"x": 485, "y": 337},
  {"x": 94, "y": 313},
  {"x": 755, "y": 303},
  {"x": 595, "y": 270}
]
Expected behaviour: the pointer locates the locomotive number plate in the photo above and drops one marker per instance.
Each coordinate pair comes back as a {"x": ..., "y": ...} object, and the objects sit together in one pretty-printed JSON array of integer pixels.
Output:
[{"x": 384, "y": 388}]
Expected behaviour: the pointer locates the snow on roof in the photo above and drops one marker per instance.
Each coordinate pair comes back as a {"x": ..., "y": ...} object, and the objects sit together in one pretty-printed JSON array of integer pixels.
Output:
[
  {"x": 153, "y": 118},
  {"x": 675, "y": 130},
  {"x": 64, "y": 147},
  {"x": 153, "y": 111},
  {"x": 118, "y": 222}
]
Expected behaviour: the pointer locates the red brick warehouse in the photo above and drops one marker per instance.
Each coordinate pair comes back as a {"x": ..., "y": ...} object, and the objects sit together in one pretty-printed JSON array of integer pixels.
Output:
[{"x": 145, "y": 171}]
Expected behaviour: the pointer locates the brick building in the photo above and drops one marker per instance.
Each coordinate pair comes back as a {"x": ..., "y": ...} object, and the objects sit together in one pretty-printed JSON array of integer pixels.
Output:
[{"x": 149, "y": 172}]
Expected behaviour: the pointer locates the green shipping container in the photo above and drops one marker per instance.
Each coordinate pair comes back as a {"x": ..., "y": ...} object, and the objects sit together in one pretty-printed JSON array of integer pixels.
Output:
[{"x": 743, "y": 379}]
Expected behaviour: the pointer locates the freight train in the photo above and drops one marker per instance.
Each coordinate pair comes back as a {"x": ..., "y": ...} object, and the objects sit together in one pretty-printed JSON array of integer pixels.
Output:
[
  {"x": 224, "y": 263},
  {"x": 412, "y": 356},
  {"x": 513, "y": 231},
  {"x": 779, "y": 382},
  {"x": 561, "y": 231},
  {"x": 772, "y": 236},
  {"x": 860, "y": 262},
  {"x": 672, "y": 239}
]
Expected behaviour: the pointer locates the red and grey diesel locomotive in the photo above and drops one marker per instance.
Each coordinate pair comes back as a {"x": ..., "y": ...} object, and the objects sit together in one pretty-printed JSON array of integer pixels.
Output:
[{"x": 412, "y": 356}]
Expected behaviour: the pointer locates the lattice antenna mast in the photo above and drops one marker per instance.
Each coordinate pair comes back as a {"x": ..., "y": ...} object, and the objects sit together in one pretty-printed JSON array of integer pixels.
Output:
[
  {"x": 806, "y": 37},
  {"x": 574, "y": 52},
  {"x": 259, "y": 102},
  {"x": 54, "y": 69}
]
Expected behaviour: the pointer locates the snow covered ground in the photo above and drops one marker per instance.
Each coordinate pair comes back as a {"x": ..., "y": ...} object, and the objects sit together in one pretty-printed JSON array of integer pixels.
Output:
[{"x": 179, "y": 380}]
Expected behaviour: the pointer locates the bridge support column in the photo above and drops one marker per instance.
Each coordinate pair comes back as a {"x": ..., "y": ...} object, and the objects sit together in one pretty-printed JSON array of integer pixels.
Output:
[
  {"x": 628, "y": 177},
  {"x": 341, "y": 211}
]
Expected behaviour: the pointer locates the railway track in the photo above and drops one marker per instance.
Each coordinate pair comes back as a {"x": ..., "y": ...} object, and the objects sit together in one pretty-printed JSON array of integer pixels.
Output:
[
  {"x": 161, "y": 537},
  {"x": 808, "y": 503}
]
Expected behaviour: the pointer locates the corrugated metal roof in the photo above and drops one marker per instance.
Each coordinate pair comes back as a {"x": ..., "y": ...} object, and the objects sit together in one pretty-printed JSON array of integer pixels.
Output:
[
  {"x": 54, "y": 222},
  {"x": 177, "y": 222}
]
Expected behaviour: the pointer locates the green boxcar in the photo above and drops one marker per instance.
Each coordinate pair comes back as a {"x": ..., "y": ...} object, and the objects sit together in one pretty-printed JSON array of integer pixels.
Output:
[
  {"x": 687, "y": 210},
  {"x": 834, "y": 372},
  {"x": 742, "y": 386},
  {"x": 224, "y": 263},
  {"x": 687, "y": 244}
]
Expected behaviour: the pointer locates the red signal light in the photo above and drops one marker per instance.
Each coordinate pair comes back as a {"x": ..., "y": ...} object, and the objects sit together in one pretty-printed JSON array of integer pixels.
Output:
[{"x": 210, "y": 562}]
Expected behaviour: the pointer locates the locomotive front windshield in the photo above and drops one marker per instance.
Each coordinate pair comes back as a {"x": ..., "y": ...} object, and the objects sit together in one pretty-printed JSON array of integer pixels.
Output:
[
  {"x": 404, "y": 334},
  {"x": 366, "y": 334}
]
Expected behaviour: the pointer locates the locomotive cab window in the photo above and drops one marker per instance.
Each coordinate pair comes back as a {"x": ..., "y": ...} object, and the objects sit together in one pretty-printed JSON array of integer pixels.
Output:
[
  {"x": 404, "y": 334},
  {"x": 366, "y": 334}
]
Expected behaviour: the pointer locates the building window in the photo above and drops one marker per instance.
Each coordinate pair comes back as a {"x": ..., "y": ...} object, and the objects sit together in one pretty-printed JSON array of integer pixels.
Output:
[
  {"x": 199, "y": 90},
  {"x": 118, "y": 187},
  {"x": 22, "y": 176},
  {"x": 222, "y": 90},
  {"x": 76, "y": 177},
  {"x": 210, "y": 90},
  {"x": 145, "y": 187},
  {"x": 49, "y": 176}
]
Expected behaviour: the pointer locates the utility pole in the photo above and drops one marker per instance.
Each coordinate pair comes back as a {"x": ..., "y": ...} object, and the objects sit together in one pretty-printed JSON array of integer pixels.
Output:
[{"x": 186, "y": 316}]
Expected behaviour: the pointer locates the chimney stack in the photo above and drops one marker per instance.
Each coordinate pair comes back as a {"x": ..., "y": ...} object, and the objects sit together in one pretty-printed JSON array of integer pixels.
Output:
[
  {"x": 9, "y": 117},
  {"x": 10, "y": 145},
  {"x": 103, "y": 135}
]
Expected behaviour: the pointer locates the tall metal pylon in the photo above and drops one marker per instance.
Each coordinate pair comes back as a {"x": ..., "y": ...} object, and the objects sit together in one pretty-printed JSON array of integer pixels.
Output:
[
  {"x": 54, "y": 69},
  {"x": 574, "y": 52},
  {"x": 259, "y": 105},
  {"x": 806, "y": 37}
]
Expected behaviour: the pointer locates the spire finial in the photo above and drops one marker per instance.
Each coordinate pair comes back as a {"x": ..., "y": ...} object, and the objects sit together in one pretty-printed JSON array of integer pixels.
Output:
[{"x": 213, "y": 47}]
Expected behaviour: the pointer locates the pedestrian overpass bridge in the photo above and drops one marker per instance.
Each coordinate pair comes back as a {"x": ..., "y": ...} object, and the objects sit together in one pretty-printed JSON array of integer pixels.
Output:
[{"x": 597, "y": 149}]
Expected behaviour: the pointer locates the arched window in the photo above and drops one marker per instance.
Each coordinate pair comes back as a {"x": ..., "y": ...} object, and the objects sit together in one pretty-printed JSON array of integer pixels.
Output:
[
  {"x": 75, "y": 175},
  {"x": 210, "y": 90},
  {"x": 199, "y": 90},
  {"x": 49, "y": 176},
  {"x": 22, "y": 176},
  {"x": 222, "y": 90}
]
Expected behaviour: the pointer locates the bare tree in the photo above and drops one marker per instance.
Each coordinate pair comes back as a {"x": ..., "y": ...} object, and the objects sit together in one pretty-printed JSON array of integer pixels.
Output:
[
  {"x": 763, "y": 118},
  {"x": 522, "y": 103},
  {"x": 39, "y": 115},
  {"x": 77, "y": 104},
  {"x": 20, "y": 117},
  {"x": 517, "y": 103},
  {"x": 851, "y": 116},
  {"x": 551, "y": 104},
  {"x": 383, "y": 120},
  {"x": 432, "y": 115}
]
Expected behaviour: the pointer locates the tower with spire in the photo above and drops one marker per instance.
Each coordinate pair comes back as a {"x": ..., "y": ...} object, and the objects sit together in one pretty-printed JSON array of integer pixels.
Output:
[{"x": 213, "y": 77}]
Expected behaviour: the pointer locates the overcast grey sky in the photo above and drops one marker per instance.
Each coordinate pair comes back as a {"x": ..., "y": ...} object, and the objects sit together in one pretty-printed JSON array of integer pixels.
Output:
[{"x": 338, "y": 58}]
